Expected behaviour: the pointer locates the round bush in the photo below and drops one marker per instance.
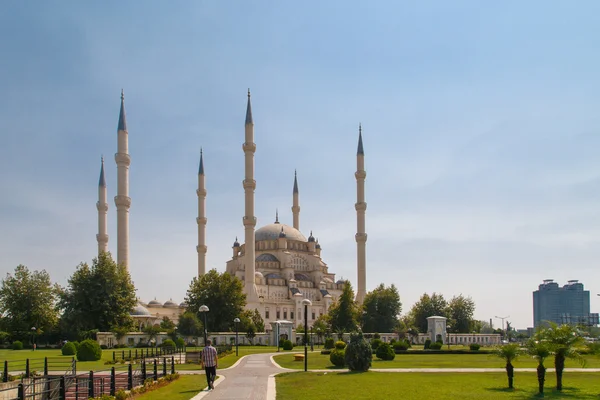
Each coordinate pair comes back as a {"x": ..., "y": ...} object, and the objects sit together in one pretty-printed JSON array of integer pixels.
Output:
[
  {"x": 435, "y": 346},
  {"x": 385, "y": 352},
  {"x": 375, "y": 343},
  {"x": 168, "y": 344},
  {"x": 76, "y": 343},
  {"x": 328, "y": 343},
  {"x": 287, "y": 345},
  {"x": 180, "y": 343},
  {"x": 474, "y": 346},
  {"x": 337, "y": 357},
  {"x": 340, "y": 345},
  {"x": 69, "y": 349},
  {"x": 17, "y": 345},
  {"x": 402, "y": 345},
  {"x": 376, "y": 336},
  {"x": 358, "y": 354},
  {"x": 89, "y": 350}
]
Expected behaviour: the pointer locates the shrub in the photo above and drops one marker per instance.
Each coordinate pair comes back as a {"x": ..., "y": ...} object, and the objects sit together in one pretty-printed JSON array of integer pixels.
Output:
[
  {"x": 17, "y": 345},
  {"x": 474, "y": 346},
  {"x": 427, "y": 344},
  {"x": 337, "y": 357},
  {"x": 325, "y": 352},
  {"x": 287, "y": 345},
  {"x": 168, "y": 343},
  {"x": 376, "y": 336},
  {"x": 89, "y": 350},
  {"x": 402, "y": 345},
  {"x": 375, "y": 343},
  {"x": 121, "y": 395},
  {"x": 385, "y": 352},
  {"x": 179, "y": 342},
  {"x": 103, "y": 346},
  {"x": 340, "y": 345},
  {"x": 435, "y": 346},
  {"x": 358, "y": 353},
  {"x": 76, "y": 344},
  {"x": 69, "y": 349},
  {"x": 328, "y": 343}
]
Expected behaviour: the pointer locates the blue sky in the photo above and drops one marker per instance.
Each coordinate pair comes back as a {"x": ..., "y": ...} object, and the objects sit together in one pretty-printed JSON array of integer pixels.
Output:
[{"x": 480, "y": 126}]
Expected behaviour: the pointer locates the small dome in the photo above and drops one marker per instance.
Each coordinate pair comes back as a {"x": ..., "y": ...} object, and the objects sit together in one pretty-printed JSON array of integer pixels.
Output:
[
  {"x": 311, "y": 238},
  {"x": 272, "y": 231},
  {"x": 267, "y": 257},
  {"x": 282, "y": 233},
  {"x": 140, "y": 311},
  {"x": 258, "y": 275},
  {"x": 302, "y": 277},
  {"x": 170, "y": 303},
  {"x": 236, "y": 243},
  {"x": 183, "y": 305},
  {"x": 340, "y": 281},
  {"x": 155, "y": 303},
  {"x": 318, "y": 246}
]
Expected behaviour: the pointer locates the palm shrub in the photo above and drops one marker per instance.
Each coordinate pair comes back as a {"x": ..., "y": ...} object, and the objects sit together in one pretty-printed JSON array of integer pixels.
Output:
[
  {"x": 89, "y": 350},
  {"x": 68, "y": 349},
  {"x": 328, "y": 343},
  {"x": 509, "y": 353},
  {"x": 358, "y": 353},
  {"x": 338, "y": 357},
  {"x": 385, "y": 352},
  {"x": 540, "y": 351},
  {"x": 563, "y": 342}
]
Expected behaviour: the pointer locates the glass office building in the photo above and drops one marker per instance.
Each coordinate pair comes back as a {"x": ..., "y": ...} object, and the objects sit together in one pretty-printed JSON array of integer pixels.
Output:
[{"x": 569, "y": 304}]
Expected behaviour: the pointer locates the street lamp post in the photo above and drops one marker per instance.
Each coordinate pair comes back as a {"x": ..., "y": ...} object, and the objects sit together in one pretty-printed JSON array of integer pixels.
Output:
[
  {"x": 306, "y": 303},
  {"x": 448, "y": 327},
  {"x": 237, "y": 321},
  {"x": 502, "y": 318},
  {"x": 33, "y": 338},
  {"x": 204, "y": 309}
]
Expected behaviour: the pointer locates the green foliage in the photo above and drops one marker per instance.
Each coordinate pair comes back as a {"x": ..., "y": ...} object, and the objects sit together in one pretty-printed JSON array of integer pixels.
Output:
[
  {"x": 300, "y": 328},
  {"x": 189, "y": 324},
  {"x": 343, "y": 314},
  {"x": 358, "y": 353},
  {"x": 69, "y": 349},
  {"x": 121, "y": 395},
  {"x": 427, "y": 306},
  {"x": 224, "y": 296},
  {"x": 28, "y": 299},
  {"x": 509, "y": 353},
  {"x": 89, "y": 350},
  {"x": 257, "y": 320},
  {"x": 328, "y": 343},
  {"x": 179, "y": 343},
  {"x": 340, "y": 345},
  {"x": 250, "y": 332},
  {"x": 168, "y": 343},
  {"x": 539, "y": 350},
  {"x": 120, "y": 332},
  {"x": 337, "y": 357},
  {"x": 375, "y": 344},
  {"x": 435, "y": 346},
  {"x": 166, "y": 324},
  {"x": 287, "y": 344},
  {"x": 401, "y": 345},
  {"x": 427, "y": 344},
  {"x": 474, "y": 346},
  {"x": 99, "y": 297},
  {"x": 76, "y": 344},
  {"x": 460, "y": 311},
  {"x": 385, "y": 352},
  {"x": 152, "y": 331},
  {"x": 381, "y": 309},
  {"x": 17, "y": 345}
]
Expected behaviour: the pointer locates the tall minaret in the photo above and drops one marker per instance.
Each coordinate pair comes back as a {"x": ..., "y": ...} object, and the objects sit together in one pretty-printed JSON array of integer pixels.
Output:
[
  {"x": 249, "y": 220},
  {"x": 102, "y": 206},
  {"x": 201, "y": 220},
  {"x": 122, "y": 199},
  {"x": 361, "y": 207},
  {"x": 296, "y": 205}
]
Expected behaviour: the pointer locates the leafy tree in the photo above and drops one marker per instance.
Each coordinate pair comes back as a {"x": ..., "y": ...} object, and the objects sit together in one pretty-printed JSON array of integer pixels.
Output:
[
  {"x": 509, "y": 353},
  {"x": 166, "y": 324},
  {"x": 563, "y": 341},
  {"x": 120, "y": 332},
  {"x": 320, "y": 327},
  {"x": 98, "y": 297},
  {"x": 189, "y": 324},
  {"x": 358, "y": 354},
  {"x": 343, "y": 314},
  {"x": 485, "y": 327},
  {"x": 224, "y": 296},
  {"x": 152, "y": 331},
  {"x": 540, "y": 351},
  {"x": 381, "y": 309},
  {"x": 460, "y": 311},
  {"x": 251, "y": 332},
  {"x": 300, "y": 328},
  {"x": 258, "y": 321},
  {"x": 28, "y": 299},
  {"x": 428, "y": 306}
]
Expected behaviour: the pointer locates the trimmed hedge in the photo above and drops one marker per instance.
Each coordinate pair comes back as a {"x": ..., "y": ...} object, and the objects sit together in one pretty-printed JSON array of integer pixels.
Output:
[
  {"x": 375, "y": 343},
  {"x": 435, "y": 346},
  {"x": 17, "y": 345},
  {"x": 287, "y": 345},
  {"x": 328, "y": 343},
  {"x": 358, "y": 354},
  {"x": 474, "y": 346},
  {"x": 69, "y": 349},
  {"x": 427, "y": 344},
  {"x": 340, "y": 345},
  {"x": 385, "y": 352},
  {"x": 402, "y": 345},
  {"x": 89, "y": 350},
  {"x": 338, "y": 357},
  {"x": 168, "y": 344}
]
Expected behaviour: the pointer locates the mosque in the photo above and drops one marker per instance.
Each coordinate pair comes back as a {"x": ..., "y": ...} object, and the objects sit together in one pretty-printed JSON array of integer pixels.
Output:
[{"x": 278, "y": 265}]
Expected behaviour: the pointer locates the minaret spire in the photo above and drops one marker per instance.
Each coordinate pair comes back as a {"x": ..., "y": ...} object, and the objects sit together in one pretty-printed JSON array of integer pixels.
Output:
[
  {"x": 296, "y": 203},
  {"x": 102, "y": 207},
  {"x": 249, "y": 219},
  {"x": 122, "y": 199},
  {"x": 201, "y": 220},
  {"x": 361, "y": 208}
]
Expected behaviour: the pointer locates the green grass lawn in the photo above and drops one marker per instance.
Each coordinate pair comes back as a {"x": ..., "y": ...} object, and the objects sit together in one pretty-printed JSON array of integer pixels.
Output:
[
  {"x": 439, "y": 386},
  {"x": 184, "y": 388},
  {"x": 16, "y": 359},
  {"x": 318, "y": 361},
  {"x": 229, "y": 360}
]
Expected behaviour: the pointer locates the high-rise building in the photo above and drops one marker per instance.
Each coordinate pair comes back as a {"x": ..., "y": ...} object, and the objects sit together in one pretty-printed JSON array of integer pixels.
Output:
[{"x": 569, "y": 304}]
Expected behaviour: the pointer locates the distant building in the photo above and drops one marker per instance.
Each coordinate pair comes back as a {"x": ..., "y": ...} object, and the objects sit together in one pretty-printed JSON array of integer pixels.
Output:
[{"x": 569, "y": 304}]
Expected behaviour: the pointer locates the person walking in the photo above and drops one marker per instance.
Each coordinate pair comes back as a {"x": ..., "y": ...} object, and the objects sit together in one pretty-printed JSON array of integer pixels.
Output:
[{"x": 210, "y": 363}]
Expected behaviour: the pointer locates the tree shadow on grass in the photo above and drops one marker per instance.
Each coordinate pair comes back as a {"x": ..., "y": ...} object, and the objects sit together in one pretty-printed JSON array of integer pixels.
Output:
[{"x": 549, "y": 393}]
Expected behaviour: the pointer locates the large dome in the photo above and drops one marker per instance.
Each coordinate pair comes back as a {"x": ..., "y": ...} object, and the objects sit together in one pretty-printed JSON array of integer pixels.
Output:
[{"x": 272, "y": 231}]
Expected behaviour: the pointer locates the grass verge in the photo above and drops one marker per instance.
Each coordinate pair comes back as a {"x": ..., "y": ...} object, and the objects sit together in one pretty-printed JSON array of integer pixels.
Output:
[{"x": 184, "y": 388}]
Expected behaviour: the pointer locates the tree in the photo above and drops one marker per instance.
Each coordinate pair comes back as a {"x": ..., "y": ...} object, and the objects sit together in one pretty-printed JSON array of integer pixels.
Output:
[
  {"x": 152, "y": 331},
  {"x": 189, "y": 324},
  {"x": 540, "y": 351},
  {"x": 258, "y": 322},
  {"x": 224, "y": 296},
  {"x": 563, "y": 342},
  {"x": 460, "y": 311},
  {"x": 99, "y": 297},
  {"x": 320, "y": 327},
  {"x": 120, "y": 332},
  {"x": 427, "y": 306},
  {"x": 381, "y": 309},
  {"x": 251, "y": 333},
  {"x": 358, "y": 354},
  {"x": 166, "y": 324},
  {"x": 28, "y": 299},
  {"x": 509, "y": 353},
  {"x": 343, "y": 314},
  {"x": 300, "y": 328}
]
